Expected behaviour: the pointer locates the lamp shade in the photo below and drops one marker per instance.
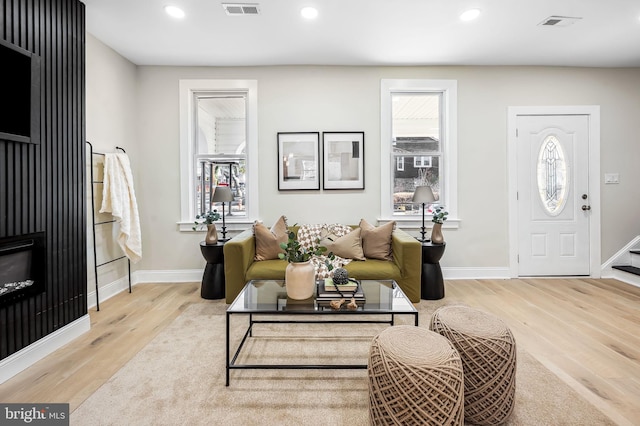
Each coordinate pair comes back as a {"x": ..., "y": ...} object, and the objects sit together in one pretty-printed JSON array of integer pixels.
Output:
[
  {"x": 423, "y": 195},
  {"x": 222, "y": 194}
]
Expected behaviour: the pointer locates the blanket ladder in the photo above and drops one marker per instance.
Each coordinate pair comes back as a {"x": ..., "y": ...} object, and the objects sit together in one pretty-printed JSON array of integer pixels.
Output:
[{"x": 93, "y": 221}]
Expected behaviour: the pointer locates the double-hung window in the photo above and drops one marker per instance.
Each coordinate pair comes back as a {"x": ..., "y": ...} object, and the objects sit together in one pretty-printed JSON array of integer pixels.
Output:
[
  {"x": 418, "y": 130},
  {"x": 218, "y": 148}
]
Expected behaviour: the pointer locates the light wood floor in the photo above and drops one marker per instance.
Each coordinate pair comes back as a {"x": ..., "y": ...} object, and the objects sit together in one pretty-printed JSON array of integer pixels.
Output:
[{"x": 586, "y": 331}]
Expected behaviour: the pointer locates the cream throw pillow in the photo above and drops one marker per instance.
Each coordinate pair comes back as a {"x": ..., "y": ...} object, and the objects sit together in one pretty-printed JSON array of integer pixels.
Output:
[
  {"x": 268, "y": 240},
  {"x": 376, "y": 241},
  {"x": 348, "y": 246}
]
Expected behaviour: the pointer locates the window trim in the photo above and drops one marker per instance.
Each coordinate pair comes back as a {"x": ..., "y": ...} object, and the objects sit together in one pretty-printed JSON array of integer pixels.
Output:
[
  {"x": 187, "y": 90},
  {"x": 449, "y": 89}
]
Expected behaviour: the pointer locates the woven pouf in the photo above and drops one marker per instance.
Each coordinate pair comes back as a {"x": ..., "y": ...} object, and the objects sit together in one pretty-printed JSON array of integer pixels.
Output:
[
  {"x": 415, "y": 378},
  {"x": 488, "y": 352}
]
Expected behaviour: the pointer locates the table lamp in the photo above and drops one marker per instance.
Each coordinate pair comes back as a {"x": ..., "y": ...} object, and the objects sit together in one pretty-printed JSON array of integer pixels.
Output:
[
  {"x": 423, "y": 195},
  {"x": 222, "y": 194}
]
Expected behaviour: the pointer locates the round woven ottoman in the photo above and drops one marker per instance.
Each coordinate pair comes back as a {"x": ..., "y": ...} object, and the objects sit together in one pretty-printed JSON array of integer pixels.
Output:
[
  {"x": 488, "y": 352},
  {"x": 415, "y": 378}
]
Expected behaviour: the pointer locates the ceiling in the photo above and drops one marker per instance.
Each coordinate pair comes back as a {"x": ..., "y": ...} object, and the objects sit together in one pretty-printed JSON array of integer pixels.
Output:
[{"x": 371, "y": 32}]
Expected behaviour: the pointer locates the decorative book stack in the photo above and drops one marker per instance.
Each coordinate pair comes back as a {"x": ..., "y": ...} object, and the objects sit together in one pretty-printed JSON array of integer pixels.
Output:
[{"x": 328, "y": 291}]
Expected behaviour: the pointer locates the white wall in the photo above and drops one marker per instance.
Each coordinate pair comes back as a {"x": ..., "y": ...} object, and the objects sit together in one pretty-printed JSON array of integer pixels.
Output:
[
  {"x": 313, "y": 98},
  {"x": 110, "y": 121}
]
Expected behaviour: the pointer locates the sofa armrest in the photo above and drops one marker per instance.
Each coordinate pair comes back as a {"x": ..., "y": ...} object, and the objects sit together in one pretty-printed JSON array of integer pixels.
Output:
[
  {"x": 239, "y": 253},
  {"x": 407, "y": 255}
]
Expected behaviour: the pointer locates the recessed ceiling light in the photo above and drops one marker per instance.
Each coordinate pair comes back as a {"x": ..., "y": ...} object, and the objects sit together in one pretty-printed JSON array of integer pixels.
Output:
[
  {"x": 174, "y": 12},
  {"x": 309, "y": 12},
  {"x": 470, "y": 15}
]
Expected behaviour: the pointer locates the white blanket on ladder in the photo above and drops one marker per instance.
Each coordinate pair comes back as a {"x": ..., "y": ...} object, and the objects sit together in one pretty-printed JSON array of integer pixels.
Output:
[{"x": 119, "y": 199}]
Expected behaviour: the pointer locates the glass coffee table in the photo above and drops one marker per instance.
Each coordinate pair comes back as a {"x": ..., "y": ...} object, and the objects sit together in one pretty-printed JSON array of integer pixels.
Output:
[{"x": 268, "y": 300}]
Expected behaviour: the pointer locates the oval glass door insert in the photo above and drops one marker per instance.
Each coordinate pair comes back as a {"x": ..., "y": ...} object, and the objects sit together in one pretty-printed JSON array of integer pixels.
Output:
[{"x": 552, "y": 176}]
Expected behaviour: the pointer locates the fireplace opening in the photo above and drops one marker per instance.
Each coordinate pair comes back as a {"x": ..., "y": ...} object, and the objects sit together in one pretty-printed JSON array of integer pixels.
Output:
[{"x": 22, "y": 267}]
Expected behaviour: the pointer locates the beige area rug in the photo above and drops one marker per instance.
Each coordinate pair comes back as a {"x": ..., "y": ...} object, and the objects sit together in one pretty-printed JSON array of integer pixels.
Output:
[{"x": 179, "y": 379}]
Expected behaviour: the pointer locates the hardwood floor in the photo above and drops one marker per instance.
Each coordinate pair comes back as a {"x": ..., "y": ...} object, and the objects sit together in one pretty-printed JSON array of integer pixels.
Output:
[
  {"x": 586, "y": 331},
  {"x": 123, "y": 326}
]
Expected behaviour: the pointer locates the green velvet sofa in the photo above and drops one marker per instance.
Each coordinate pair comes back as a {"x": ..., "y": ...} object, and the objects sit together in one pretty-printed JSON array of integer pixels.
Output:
[{"x": 405, "y": 268}]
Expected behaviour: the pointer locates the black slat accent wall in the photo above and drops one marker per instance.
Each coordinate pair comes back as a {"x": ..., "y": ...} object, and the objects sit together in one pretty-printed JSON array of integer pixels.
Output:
[{"x": 42, "y": 187}]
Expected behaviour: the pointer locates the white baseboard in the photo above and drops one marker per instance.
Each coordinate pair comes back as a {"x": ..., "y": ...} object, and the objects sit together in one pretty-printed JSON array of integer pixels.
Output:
[
  {"x": 622, "y": 257},
  {"x": 195, "y": 275},
  {"x": 625, "y": 277},
  {"x": 107, "y": 291},
  {"x": 470, "y": 273},
  {"x": 33, "y": 353},
  {"x": 168, "y": 276}
]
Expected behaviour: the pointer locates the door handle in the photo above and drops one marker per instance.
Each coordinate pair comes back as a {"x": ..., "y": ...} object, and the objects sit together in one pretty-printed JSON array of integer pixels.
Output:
[{"x": 585, "y": 208}]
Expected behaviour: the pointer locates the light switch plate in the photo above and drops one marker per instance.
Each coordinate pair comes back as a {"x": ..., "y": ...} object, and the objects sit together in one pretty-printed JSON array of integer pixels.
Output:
[{"x": 611, "y": 178}]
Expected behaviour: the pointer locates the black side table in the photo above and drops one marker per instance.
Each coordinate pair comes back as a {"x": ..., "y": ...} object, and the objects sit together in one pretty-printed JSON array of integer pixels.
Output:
[
  {"x": 432, "y": 283},
  {"x": 213, "y": 278}
]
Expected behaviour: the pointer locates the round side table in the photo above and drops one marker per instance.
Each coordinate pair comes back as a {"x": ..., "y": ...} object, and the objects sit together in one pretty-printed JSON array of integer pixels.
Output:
[
  {"x": 213, "y": 278},
  {"x": 432, "y": 283}
]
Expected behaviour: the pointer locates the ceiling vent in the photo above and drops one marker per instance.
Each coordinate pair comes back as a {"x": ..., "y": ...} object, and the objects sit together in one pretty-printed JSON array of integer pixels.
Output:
[
  {"x": 237, "y": 9},
  {"x": 559, "y": 21}
]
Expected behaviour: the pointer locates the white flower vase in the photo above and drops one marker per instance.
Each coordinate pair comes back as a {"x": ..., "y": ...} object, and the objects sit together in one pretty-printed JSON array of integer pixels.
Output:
[
  {"x": 300, "y": 280},
  {"x": 212, "y": 234}
]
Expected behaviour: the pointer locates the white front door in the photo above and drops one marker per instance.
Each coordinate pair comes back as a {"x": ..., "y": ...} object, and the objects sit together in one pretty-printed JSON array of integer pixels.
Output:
[{"x": 553, "y": 202}]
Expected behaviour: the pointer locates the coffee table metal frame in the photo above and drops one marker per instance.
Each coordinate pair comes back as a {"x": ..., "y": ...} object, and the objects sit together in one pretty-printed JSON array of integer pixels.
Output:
[{"x": 397, "y": 304}]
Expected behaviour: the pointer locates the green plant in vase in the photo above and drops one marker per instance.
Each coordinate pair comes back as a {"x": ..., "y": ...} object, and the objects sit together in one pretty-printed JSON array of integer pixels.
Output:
[
  {"x": 208, "y": 219},
  {"x": 438, "y": 218},
  {"x": 439, "y": 215},
  {"x": 300, "y": 273},
  {"x": 295, "y": 253}
]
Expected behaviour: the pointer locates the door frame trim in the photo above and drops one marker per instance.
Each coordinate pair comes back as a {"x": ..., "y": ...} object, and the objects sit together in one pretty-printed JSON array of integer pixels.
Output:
[{"x": 593, "y": 113}]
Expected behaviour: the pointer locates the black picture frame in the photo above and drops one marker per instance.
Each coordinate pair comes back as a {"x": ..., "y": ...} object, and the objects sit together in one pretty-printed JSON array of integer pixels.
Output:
[{"x": 298, "y": 161}]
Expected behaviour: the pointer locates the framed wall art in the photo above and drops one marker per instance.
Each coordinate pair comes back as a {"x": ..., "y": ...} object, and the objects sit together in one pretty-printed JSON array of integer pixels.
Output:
[
  {"x": 343, "y": 160},
  {"x": 298, "y": 161}
]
